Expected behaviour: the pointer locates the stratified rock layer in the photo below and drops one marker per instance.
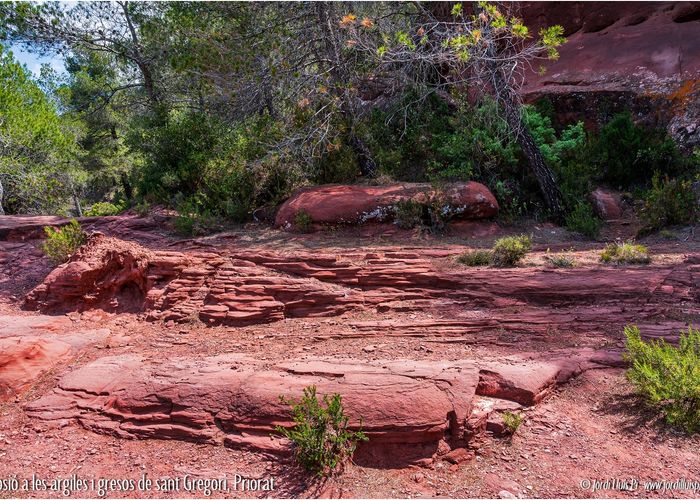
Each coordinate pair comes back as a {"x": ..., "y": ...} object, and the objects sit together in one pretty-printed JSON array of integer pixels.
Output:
[
  {"x": 356, "y": 204},
  {"x": 241, "y": 287},
  {"x": 406, "y": 408},
  {"x": 115, "y": 275}
]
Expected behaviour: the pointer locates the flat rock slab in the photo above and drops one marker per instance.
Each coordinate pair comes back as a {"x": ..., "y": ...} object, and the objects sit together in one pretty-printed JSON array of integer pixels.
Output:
[
  {"x": 407, "y": 408},
  {"x": 30, "y": 346}
]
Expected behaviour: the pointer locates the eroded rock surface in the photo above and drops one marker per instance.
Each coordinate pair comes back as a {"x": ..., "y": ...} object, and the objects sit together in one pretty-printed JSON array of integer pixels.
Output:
[
  {"x": 407, "y": 408},
  {"x": 240, "y": 287},
  {"x": 118, "y": 276},
  {"x": 643, "y": 56},
  {"x": 30, "y": 346},
  {"x": 356, "y": 204}
]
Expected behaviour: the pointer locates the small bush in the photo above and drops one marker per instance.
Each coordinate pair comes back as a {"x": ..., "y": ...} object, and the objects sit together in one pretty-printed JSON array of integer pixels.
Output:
[
  {"x": 667, "y": 377},
  {"x": 408, "y": 214},
  {"x": 668, "y": 235},
  {"x": 629, "y": 154},
  {"x": 512, "y": 421},
  {"x": 102, "y": 209},
  {"x": 561, "y": 261},
  {"x": 475, "y": 258},
  {"x": 509, "y": 251},
  {"x": 193, "y": 219},
  {"x": 320, "y": 436},
  {"x": 142, "y": 209},
  {"x": 625, "y": 253},
  {"x": 303, "y": 222},
  {"x": 583, "y": 220},
  {"x": 430, "y": 214},
  {"x": 669, "y": 202},
  {"x": 62, "y": 242}
]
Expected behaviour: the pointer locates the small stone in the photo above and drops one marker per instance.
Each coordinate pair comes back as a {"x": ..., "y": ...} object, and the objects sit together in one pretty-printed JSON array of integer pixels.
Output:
[{"x": 506, "y": 494}]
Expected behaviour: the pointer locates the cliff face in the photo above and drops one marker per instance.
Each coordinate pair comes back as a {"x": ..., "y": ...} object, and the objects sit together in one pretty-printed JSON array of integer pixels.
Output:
[{"x": 644, "y": 56}]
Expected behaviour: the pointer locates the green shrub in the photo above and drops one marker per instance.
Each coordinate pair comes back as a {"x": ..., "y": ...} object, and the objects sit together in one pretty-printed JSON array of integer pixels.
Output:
[
  {"x": 669, "y": 202},
  {"x": 582, "y": 219},
  {"x": 430, "y": 215},
  {"x": 511, "y": 200},
  {"x": 62, "y": 242},
  {"x": 561, "y": 261},
  {"x": 408, "y": 214},
  {"x": 512, "y": 421},
  {"x": 142, "y": 208},
  {"x": 303, "y": 222},
  {"x": 320, "y": 437},
  {"x": 667, "y": 377},
  {"x": 625, "y": 253},
  {"x": 194, "y": 219},
  {"x": 629, "y": 154},
  {"x": 103, "y": 209},
  {"x": 510, "y": 250},
  {"x": 475, "y": 258}
]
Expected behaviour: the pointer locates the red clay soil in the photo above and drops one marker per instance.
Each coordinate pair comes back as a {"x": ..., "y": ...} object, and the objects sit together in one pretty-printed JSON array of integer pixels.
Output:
[{"x": 149, "y": 354}]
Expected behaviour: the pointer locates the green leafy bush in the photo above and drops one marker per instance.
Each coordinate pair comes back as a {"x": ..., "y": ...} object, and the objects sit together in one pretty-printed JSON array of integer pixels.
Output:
[
  {"x": 512, "y": 421},
  {"x": 430, "y": 214},
  {"x": 625, "y": 253},
  {"x": 669, "y": 202},
  {"x": 303, "y": 222},
  {"x": 582, "y": 219},
  {"x": 142, "y": 208},
  {"x": 104, "y": 208},
  {"x": 320, "y": 435},
  {"x": 510, "y": 250},
  {"x": 475, "y": 258},
  {"x": 62, "y": 242},
  {"x": 667, "y": 377}
]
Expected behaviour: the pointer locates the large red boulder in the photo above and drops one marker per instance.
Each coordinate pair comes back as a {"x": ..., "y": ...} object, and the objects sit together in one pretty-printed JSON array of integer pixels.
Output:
[
  {"x": 356, "y": 204},
  {"x": 607, "y": 204}
]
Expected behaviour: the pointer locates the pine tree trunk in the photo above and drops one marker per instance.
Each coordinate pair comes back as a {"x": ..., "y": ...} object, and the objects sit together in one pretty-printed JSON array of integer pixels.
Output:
[
  {"x": 545, "y": 176},
  {"x": 513, "y": 113},
  {"x": 2, "y": 194}
]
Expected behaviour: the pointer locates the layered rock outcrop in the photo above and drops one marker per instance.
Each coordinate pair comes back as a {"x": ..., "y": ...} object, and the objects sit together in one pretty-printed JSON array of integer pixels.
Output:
[
  {"x": 357, "y": 204},
  {"x": 410, "y": 410},
  {"x": 241, "y": 287},
  {"x": 119, "y": 276}
]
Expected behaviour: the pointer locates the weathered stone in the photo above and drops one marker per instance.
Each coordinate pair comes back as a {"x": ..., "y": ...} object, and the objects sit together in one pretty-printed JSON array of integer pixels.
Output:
[{"x": 357, "y": 204}]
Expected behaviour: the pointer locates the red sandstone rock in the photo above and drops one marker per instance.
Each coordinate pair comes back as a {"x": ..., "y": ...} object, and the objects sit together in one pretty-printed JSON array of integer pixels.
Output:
[
  {"x": 104, "y": 273},
  {"x": 23, "y": 359},
  {"x": 247, "y": 288},
  {"x": 607, "y": 204},
  {"x": 407, "y": 406},
  {"x": 115, "y": 275},
  {"x": 356, "y": 204},
  {"x": 32, "y": 345}
]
